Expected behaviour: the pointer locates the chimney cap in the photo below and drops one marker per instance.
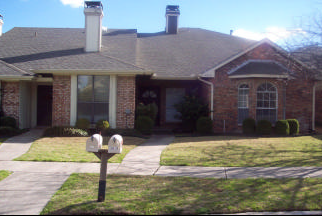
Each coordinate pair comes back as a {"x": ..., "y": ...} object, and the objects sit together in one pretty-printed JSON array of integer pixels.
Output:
[
  {"x": 172, "y": 10},
  {"x": 93, "y": 4}
]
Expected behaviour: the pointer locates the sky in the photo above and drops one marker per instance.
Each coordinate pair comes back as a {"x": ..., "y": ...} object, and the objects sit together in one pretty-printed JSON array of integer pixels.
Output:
[{"x": 253, "y": 19}]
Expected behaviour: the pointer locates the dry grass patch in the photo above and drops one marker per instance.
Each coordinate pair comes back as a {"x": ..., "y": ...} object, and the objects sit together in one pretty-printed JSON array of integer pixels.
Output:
[
  {"x": 235, "y": 151},
  {"x": 73, "y": 149}
]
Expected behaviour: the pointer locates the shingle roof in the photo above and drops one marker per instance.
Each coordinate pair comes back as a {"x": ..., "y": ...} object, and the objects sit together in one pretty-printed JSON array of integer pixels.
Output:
[
  {"x": 63, "y": 49},
  {"x": 189, "y": 53},
  {"x": 259, "y": 68},
  {"x": 8, "y": 70}
]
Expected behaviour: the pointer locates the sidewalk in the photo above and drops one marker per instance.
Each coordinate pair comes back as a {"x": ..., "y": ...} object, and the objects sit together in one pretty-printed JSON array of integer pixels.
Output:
[{"x": 32, "y": 184}]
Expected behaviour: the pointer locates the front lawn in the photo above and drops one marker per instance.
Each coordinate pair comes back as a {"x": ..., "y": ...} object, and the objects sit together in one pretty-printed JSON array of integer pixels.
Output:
[
  {"x": 238, "y": 151},
  {"x": 72, "y": 149},
  {"x": 152, "y": 195},
  {"x": 4, "y": 174}
]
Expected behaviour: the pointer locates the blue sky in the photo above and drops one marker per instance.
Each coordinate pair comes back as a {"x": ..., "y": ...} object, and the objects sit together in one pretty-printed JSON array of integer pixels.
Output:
[{"x": 254, "y": 19}]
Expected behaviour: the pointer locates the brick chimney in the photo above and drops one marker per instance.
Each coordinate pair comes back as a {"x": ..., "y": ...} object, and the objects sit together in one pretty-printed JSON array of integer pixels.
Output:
[
  {"x": 93, "y": 11},
  {"x": 172, "y": 16}
]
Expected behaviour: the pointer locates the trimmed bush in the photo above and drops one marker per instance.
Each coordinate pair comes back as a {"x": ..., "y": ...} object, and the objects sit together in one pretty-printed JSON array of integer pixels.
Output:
[
  {"x": 82, "y": 124},
  {"x": 144, "y": 124},
  {"x": 65, "y": 131},
  {"x": 8, "y": 131},
  {"x": 204, "y": 125},
  {"x": 102, "y": 125},
  {"x": 264, "y": 127},
  {"x": 8, "y": 121},
  {"x": 282, "y": 127},
  {"x": 249, "y": 126},
  {"x": 294, "y": 126},
  {"x": 150, "y": 110}
]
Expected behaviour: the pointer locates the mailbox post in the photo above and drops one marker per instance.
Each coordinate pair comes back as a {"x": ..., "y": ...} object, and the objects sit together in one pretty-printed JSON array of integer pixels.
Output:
[{"x": 94, "y": 144}]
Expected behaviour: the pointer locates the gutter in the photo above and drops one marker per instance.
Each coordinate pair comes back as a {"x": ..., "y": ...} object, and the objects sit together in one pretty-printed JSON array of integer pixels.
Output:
[{"x": 211, "y": 96}]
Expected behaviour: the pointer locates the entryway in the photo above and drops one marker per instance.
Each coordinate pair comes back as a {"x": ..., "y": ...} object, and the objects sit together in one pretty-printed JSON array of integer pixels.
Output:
[{"x": 44, "y": 105}]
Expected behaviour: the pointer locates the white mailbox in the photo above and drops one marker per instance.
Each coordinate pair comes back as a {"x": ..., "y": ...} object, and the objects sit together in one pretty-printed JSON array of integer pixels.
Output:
[
  {"x": 115, "y": 144},
  {"x": 94, "y": 143}
]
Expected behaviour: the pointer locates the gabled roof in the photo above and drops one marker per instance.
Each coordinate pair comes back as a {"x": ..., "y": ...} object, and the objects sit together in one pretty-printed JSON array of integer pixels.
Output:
[
  {"x": 259, "y": 68},
  {"x": 186, "y": 55},
  {"x": 49, "y": 49}
]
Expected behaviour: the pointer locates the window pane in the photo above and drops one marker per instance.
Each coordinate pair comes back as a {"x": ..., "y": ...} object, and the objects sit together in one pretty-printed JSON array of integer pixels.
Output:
[
  {"x": 100, "y": 111},
  {"x": 242, "y": 114},
  {"x": 101, "y": 88},
  {"x": 84, "y": 110},
  {"x": 85, "y": 88}
]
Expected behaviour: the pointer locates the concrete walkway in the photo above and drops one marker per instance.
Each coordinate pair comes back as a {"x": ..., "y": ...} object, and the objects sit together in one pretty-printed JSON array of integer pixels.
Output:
[{"x": 32, "y": 184}]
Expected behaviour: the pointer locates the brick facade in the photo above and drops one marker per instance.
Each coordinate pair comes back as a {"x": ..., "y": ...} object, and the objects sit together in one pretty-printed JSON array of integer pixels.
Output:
[
  {"x": 125, "y": 101},
  {"x": 295, "y": 93},
  {"x": 10, "y": 99},
  {"x": 61, "y": 100}
]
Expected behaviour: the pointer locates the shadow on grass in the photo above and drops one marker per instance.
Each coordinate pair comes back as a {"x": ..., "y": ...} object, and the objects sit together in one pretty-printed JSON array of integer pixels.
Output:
[{"x": 177, "y": 195}]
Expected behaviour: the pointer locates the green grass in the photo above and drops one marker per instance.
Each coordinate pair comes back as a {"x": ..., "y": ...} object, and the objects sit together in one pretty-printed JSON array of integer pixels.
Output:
[
  {"x": 4, "y": 174},
  {"x": 239, "y": 151},
  {"x": 72, "y": 149},
  {"x": 2, "y": 140},
  {"x": 184, "y": 195}
]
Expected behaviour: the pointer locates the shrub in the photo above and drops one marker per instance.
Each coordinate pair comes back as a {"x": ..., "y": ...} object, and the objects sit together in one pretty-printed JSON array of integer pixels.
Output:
[
  {"x": 191, "y": 108},
  {"x": 82, "y": 123},
  {"x": 144, "y": 124},
  {"x": 8, "y": 121},
  {"x": 204, "y": 125},
  {"x": 8, "y": 131},
  {"x": 249, "y": 126},
  {"x": 264, "y": 127},
  {"x": 150, "y": 110},
  {"x": 282, "y": 127},
  {"x": 294, "y": 126},
  {"x": 102, "y": 125},
  {"x": 63, "y": 131}
]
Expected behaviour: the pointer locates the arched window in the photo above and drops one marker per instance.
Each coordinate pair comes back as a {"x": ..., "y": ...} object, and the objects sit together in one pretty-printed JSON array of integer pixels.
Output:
[
  {"x": 243, "y": 104},
  {"x": 266, "y": 102}
]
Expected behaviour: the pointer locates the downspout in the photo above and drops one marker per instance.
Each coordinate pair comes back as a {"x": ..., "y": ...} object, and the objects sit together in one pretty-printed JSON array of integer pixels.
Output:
[{"x": 211, "y": 95}]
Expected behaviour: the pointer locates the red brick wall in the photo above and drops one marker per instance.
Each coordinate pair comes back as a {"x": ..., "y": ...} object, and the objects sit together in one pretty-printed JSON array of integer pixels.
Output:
[
  {"x": 10, "y": 99},
  {"x": 61, "y": 100},
  {"x": 125, "y": 100},
  {"x": 298, "y": 92},
  {"x": 318, "y": 106}
]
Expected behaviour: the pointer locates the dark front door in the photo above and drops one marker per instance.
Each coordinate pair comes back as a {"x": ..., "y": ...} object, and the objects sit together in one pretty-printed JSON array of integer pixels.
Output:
[
  {"x": 148, "y": 95},
  {"x": 44, "y": 105}
]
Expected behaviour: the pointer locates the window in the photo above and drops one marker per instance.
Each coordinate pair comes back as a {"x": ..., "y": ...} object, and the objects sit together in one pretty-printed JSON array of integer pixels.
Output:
[
  {"x": 93, "y": 97},
  {"x": 243, "y": 107},
  {"x": 266, "y": 102}
]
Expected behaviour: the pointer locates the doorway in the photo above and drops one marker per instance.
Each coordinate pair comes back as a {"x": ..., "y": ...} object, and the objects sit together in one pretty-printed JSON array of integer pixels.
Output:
[
  {"x": 44, "y": 105},
  {"x": 148, "y": 95}
]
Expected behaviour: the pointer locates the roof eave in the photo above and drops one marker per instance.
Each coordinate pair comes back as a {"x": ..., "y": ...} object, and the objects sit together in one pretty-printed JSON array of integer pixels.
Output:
[
  {"x": 93, "y": 72},
  {"x": 259, "y": 76}
]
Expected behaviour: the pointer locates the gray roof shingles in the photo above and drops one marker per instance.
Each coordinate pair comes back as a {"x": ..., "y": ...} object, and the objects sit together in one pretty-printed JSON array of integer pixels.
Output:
[{"x": 189, "y": 53}]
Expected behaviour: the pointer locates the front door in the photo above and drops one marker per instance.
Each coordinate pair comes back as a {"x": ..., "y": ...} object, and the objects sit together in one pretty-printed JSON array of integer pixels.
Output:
[
  {"x": 148, "y": 95},
  {"x": 44, "y": 105}
]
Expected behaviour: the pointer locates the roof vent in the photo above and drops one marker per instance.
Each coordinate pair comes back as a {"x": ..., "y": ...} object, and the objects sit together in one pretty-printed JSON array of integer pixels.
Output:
[{"x": 172, "y": 16}]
